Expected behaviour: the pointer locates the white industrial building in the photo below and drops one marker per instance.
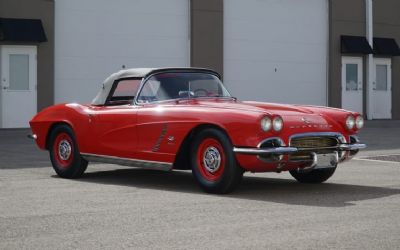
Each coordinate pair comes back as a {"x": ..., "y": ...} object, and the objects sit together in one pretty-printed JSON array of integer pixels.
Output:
[{"x": 323, "y": 52}]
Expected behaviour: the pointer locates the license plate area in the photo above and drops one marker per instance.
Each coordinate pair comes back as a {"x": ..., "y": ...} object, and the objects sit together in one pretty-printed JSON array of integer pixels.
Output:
[{"x": 328, "y": 160}]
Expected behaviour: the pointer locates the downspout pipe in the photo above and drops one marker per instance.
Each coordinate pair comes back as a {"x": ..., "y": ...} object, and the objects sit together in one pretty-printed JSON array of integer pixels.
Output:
[{"x": 369, "y": 59}]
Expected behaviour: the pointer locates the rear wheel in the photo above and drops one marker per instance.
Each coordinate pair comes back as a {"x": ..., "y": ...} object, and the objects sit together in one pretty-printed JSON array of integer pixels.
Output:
[
  {"x": 314, "y": 176},
  {"x": 213, "y": 162},
  {"x": 64, "y": 153}
]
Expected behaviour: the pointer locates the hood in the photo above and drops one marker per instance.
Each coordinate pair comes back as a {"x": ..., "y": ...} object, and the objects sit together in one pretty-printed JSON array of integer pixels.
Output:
[
  {"x": 304, "y": 117},
  {"x": 262, "y": 107}
]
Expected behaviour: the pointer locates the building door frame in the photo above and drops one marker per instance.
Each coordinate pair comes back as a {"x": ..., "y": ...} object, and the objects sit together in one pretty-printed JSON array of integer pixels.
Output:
[
  {"x": 382, "y": 89},
  {"x": 352, "y": 84},
  {"x": 18, "y": 85}
]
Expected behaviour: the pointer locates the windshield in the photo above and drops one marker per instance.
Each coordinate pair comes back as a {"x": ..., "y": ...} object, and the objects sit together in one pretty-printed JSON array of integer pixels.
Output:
[{"x": 167, "y": 86}]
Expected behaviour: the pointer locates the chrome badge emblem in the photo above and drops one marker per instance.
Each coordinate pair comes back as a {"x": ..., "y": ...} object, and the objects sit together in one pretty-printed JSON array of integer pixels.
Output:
[{"x": 305, "y": 120}]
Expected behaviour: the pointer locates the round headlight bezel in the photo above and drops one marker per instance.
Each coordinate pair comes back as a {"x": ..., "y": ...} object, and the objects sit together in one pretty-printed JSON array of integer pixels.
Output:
[
  {"x": 350, "y": 122},
  {"x": 359, "y": 122},
  {"x": 277, "y": 123},
  {"x": 266, "y": 123}
]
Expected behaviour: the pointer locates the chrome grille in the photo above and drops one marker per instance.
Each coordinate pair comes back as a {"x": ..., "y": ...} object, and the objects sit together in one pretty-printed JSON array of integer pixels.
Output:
[
  {"x": 317, "y": 144},
  {"x": 303, "y": 156},
  {"x": 313, "y": 142}
]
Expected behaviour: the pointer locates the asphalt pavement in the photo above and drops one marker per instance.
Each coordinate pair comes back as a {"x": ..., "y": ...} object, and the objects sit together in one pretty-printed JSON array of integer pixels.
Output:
[{"x": 115, "y": 207}]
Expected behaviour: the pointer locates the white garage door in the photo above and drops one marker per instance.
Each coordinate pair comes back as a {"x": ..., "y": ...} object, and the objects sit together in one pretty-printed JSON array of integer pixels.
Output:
[
  {"x": 276, "y": 50},
  {"x": 94, "y": 38}
]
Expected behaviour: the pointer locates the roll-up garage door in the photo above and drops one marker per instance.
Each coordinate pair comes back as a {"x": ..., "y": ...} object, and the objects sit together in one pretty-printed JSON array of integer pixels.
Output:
[
  {"x": 94, "y": 38},
  {"x": 276, "y": 50}
]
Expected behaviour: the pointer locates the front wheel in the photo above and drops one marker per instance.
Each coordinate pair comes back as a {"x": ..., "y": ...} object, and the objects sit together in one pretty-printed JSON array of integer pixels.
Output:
[
  {"x": 64, "y": 153},
  {"x": 314, "y": 176},
  {"x": 213, "y": 162}
]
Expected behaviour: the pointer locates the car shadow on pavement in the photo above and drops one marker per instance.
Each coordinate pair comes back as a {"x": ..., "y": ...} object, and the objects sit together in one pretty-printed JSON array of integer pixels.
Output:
[
  {"x": 252, "y": 188},
  {"x": 327, "y": 194}
]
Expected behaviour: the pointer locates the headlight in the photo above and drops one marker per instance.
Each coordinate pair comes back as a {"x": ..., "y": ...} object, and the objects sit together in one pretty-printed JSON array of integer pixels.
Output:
[
  {"x": 266, "y": 123},
  {"x": 277, "y": 123},
  {"x": 359, "y": 122},
  {"x": 350, "y": 122}
]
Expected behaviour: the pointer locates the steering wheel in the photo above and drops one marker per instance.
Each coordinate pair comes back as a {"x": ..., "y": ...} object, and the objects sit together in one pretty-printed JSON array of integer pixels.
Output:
[{"x": 196, "y": 92}]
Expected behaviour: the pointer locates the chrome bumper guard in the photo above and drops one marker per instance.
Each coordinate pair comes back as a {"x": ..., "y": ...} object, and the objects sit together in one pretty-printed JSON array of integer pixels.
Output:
[{"x": 291, "y": 150}]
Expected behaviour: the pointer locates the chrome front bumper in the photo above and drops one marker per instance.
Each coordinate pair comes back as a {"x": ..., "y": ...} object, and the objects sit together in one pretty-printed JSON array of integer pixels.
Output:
[
  {"x": 272, "y": 150},
  {"x": 291, "y": 150},
  {"x": 319, "y": 159}
]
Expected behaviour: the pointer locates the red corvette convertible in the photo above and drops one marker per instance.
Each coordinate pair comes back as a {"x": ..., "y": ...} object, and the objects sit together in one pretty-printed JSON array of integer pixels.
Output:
[{"x": 184, "y": 118}]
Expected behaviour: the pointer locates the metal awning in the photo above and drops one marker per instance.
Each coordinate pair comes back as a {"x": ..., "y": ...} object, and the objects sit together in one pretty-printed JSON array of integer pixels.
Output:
[
  {"x": 22, "y": 30},
  {"x": 355, "y": 45},
  {"x": 386, "y": 47}
]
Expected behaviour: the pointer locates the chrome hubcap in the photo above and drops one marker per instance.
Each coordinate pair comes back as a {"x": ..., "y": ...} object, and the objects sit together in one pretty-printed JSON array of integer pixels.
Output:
[
  {"x": 212, "y": 159},
  {"x": 64, "y": 150}
]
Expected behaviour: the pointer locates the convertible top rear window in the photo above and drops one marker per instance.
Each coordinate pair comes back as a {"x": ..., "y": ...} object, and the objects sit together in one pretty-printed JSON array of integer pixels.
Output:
[{"x": 123, "y": 92}]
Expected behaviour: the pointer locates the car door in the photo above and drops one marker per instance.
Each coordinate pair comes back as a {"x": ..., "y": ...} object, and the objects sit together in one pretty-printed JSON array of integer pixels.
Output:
[
  {"x": 113, "y": 125},
  {"x": 161, "y": 124}
]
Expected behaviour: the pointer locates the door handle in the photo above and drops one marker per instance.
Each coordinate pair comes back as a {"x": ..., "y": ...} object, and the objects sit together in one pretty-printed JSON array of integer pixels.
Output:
[{"x": 5, "y": 87}]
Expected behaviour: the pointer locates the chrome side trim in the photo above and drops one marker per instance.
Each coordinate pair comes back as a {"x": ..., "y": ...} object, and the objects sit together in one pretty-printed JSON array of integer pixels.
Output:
[
  {"x": 156, "y": 165},
  {"x": 156, "y": 146},
  {"x": 261, "y": 151}
]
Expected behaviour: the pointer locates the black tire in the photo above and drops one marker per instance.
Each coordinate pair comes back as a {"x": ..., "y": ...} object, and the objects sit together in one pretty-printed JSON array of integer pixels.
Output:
[
  {"x": 314, "y": 176},
  {"x": 73, "y": 166},
  {"x": 228, "y": 175}
]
